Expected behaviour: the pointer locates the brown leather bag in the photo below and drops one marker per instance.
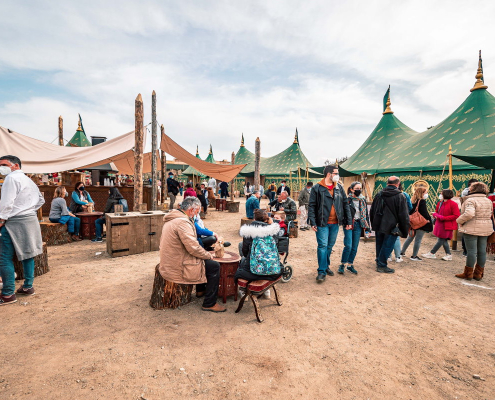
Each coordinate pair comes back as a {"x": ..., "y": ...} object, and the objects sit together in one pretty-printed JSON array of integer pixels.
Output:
[{"x": 416, "y": 220}]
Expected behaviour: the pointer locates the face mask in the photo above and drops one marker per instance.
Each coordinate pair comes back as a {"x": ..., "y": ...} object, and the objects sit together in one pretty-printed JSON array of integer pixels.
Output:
[
  {"x": 4, "y": 170},
  {"x": 425, "y": 196},
  {"x": 66, "y": 194},
  {"x": 81, "y": 188},
  {"x": 335, "y": 178},
  {"x": 357, "y": 192},
  {"x": 440, "y": 197},
  {"x": 283, "y": 184}
]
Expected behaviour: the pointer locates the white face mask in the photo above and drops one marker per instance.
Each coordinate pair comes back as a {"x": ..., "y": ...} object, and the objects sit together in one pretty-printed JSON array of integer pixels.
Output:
[
  {"x": 425, "y": 196},
  {"x": 335, "y": 178},
  {"x": 440, "y": 197},
  {"x": 4, "y": 170}
]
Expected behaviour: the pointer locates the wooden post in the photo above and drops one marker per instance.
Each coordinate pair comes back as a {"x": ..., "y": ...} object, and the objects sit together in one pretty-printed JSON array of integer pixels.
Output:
[
  {"x": 232, "y": 183},
  {"x": 154, "y": 193},
  {"x": 60, "y": 131},
  {"x": 164, "y": 172},
  {"x": 257, "y": 159},
  {"x": 138, "y": 153}
]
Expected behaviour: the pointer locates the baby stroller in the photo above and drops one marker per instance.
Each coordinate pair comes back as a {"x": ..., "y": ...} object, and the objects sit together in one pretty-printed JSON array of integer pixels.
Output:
[{"x": 283, "y": 250}]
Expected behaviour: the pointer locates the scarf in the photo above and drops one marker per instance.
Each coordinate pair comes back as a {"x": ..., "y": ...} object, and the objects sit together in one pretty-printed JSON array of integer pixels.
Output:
[{"x": 363, "y": 212}]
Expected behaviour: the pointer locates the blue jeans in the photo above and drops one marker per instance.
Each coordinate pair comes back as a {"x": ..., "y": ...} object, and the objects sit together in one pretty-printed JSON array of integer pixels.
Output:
[
  {"x": 73, "y": 223},
  {"x": 7, "y": 271},
  {"x": 326, "y": 237},
  {"x": 351, "y": 243},
  {"x": 384, "y": 246},
  {"x": 99, "y": 227},
  {"x": 397, "y": 247}
]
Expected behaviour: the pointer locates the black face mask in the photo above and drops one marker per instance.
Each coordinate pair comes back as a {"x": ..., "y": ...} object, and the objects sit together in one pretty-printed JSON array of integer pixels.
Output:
[
  {"x": 81, "y": 188},
  {"x": 357, "y": 192}
]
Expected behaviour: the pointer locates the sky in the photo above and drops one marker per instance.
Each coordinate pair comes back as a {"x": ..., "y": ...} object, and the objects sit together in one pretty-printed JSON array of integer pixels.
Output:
[{"x": 223, "y": 68}]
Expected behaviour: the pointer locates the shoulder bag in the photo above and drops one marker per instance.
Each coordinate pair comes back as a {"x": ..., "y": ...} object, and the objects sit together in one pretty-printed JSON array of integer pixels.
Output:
[{"x": 416, "y": 220}]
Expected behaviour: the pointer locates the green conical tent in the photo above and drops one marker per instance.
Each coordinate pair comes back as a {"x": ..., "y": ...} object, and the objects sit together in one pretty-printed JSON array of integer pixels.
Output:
[
  {"x": 210, "y": 158},
  {"x": 388, "y": 137},
  {"x": 190, "y": 171},
  {"x": 79, "y": 139}
]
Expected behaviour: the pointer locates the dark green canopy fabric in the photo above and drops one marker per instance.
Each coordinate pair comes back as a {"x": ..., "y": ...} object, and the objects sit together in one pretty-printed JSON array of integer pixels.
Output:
[{"x": 482, "y": 160}]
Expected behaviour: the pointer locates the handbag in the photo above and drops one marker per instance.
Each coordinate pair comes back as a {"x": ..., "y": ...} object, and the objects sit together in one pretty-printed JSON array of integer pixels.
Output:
[{"x": 416, "y": 220}]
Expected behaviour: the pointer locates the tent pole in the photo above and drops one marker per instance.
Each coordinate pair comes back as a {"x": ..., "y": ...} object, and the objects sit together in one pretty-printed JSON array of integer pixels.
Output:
[
  {"x": 163, "y": 160},
  {"x": 451, "y": 187},
  {"x": 60, "y": 131},
  {"x": 233, "y": 180},
  {"x": 257, "y": 158},
  {"x": 154, "y": 194},
  {"x": 138, "y": 152}
]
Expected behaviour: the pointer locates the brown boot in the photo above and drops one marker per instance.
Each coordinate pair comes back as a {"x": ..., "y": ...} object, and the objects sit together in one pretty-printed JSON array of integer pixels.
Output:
[
  {"x": 216, "y": 308},
  {"x": 478, "y": 273},
  {"x": 467, "y": 274}
]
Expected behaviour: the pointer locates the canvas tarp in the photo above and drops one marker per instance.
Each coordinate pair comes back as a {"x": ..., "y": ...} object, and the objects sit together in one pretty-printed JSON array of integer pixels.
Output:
[
  {"x": 223, "y": 172},
  {"x": 125, "y": 162},
  {"x": 41, "y": 157}
]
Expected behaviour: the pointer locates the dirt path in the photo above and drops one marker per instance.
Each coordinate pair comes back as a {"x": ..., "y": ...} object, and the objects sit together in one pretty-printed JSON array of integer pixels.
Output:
[{"x": 89, "y": 333}]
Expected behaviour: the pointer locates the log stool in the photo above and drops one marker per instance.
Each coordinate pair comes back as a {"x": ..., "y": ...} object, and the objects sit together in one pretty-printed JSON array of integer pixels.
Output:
[
  {"x": 246, "y": 220},
  {"x": 254, "y": 290},
  {"x": 54, "y": 234},
  {"x": 168, "y": 294},
  {"x": 40, "y": 264},
  {"x": 233, "y": 206}
]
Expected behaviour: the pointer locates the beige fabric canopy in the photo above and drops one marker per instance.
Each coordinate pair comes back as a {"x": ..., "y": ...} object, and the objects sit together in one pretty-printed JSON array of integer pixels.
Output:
[
  {"x": 125, "y": 162},
  {"x": 218, "y": 171},
  {"x": 41, "y": 157}
]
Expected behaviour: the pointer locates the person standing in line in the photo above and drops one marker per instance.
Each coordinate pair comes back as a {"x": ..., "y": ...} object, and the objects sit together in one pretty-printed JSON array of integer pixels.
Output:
[
  {"x": 172, "y": 189},
  {"x": 283, "y": 188},
  {"x": 464, "y": 193},
  {"x": 475, "y": 223},
  {"x": 253, "y": 203},
  {"x": 212, "y": 183},
  {"x": 181, "y": 188},
  {"x": 389, "y": 218},
  {"x": 397, "y": 245},
  {"x": 224, "y": 190},
  {"x": 303, "y": 201},
  {"x": 190, "y": 192},
  {"x": 419, "y": 204},
  {"x": 270, "y": 193},
  {"x": 328, "y": 208},
  {"x": 248, "y": 190},
  {"x": 200, "y": 194},
  {"x": 446, "y": 214},
  {"x": 20, "y": 231},
  {"x": 360, "y": 219}
]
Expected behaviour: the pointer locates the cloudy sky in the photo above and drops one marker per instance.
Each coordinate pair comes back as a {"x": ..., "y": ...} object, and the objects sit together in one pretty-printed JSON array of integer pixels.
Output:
[{"x": 221, "y": 68}]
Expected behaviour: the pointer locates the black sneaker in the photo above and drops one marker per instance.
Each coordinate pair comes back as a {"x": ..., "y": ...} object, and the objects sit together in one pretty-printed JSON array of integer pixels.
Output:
[
  {"x": 26, "y": 292},
  {"x": 352, "y": 269},
  {"x": 226, "y": 244},
  {"x": 97, "y": 240},
  {"x": 341, "y": 269},
  {"x": 416, "y": 258},
  {"x": 329, "y": 272},
  {"x": 7, "y": 300},
  {"x": 320, "y": 278},
  {"x": 385, "y": 270}
]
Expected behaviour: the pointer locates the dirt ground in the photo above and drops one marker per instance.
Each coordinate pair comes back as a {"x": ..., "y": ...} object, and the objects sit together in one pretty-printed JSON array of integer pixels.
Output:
[{"x": 89, "y": 332}]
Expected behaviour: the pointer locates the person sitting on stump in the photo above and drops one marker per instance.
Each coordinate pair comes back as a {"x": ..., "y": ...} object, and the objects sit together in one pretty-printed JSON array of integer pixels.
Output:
[
  {"x": 60, "y": 214},
  {"x": 183, "y": 260},
  {"x": 252, "y": 204}
]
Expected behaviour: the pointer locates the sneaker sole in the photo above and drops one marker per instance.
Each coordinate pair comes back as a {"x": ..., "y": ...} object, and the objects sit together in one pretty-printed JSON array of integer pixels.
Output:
[
  {"x": 25, "y": 294},
  {"x": 8, "y": 302},
  {"x": 214, "y": 311},
  {"x": 385, "y": 272}
]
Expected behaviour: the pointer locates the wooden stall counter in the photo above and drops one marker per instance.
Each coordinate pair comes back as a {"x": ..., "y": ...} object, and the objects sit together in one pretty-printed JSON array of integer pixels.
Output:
[{"x": 133, "y": 232}]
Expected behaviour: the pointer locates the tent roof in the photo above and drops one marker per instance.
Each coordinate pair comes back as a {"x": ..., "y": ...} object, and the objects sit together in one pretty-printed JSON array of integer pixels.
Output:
[
  {"x": 79, "y": 139},
  {"x": 470, "y": 130},
  {"x": 191, "y": 171},
  {"x": 388, "y": 137}
]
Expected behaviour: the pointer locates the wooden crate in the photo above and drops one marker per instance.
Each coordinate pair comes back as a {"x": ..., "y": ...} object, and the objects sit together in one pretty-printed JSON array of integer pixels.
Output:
[{"x": 133, "y": 233}]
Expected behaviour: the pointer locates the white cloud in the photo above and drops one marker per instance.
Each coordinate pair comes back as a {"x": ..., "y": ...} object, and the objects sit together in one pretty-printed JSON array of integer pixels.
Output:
[{"x": 262, "y": 68}]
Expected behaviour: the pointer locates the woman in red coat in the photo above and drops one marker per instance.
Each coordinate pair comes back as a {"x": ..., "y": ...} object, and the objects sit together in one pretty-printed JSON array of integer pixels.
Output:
[{"x": 446, "y": 213}]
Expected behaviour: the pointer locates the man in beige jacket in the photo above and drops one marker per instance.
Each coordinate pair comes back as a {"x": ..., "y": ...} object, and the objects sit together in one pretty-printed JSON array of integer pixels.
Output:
[{"x": 183, "y": 260}]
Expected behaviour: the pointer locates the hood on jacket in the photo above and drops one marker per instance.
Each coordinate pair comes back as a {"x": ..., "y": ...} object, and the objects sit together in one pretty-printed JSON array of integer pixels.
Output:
[
  {"x": 174, "y": 214},
  {"x": 390, "y": 191},
  {"x": 259, "y": 229}
]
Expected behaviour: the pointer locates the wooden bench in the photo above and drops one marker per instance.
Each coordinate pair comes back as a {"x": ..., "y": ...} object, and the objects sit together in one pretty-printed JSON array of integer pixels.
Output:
[
  {"x": 40, "y": 264},
  {"x": 254, "y": 290},
  {"x": 168, "y": 294},
  {"x": 54, "y": 234}
]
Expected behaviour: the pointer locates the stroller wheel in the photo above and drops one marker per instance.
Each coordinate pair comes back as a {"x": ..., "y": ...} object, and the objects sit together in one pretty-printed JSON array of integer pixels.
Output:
[{"x": 287, "y": 274}]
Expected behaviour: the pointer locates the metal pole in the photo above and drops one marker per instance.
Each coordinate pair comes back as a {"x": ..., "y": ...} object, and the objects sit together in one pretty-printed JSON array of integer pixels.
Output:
[{"x": 153, "y": 152}]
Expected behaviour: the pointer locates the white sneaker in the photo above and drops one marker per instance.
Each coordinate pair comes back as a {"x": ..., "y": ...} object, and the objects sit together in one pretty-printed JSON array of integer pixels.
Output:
[
  {"x": 389, "y": 259},
  {"x": 266, "y": 294},
  {"x": 399, "y": 259},
  {"x": 429, "y": 255},
  {"x": 447, "y": 257}
]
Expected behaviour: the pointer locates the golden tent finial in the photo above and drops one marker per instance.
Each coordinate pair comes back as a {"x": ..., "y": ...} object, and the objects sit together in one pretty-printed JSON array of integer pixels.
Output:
[
  {"x": 296, "y": 137},
  {"x": 337, "y": 162},
  {"x": 79, "y": 126},
  {"x": 211, "y": 150},
  {"x": 479, "y": 84},
  {"x": 242, "y": 140},
  {"x": 388, "y": 110},
  {"x": 197, "y": 150}
]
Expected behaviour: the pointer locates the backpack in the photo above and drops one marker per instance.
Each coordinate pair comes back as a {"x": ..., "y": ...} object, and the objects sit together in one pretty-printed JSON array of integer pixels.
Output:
[{"x": 264, "y": 256}]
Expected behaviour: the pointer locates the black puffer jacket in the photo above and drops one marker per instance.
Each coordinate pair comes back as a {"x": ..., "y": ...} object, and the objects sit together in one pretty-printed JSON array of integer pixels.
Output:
[
  {"x": 321, "y": 202},
  {"x": 256, "y": 229},
  {"x": 389, "y": 209}
]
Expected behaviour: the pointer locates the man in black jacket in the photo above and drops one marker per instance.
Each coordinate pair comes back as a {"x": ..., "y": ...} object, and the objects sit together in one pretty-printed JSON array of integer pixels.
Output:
[
  {"x": 283, "y": 188},
  {"x": 389, "y": 217},
  {"x": 172, "y": 189},
  {"x": 328, "y": 209}
]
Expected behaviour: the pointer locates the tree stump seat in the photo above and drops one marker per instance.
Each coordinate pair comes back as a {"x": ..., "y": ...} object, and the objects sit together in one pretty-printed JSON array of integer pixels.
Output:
[
  {"x": 246, "y": 220},
  {"x": 254, "y": 290},
  {"x": 233, "y": 206},
  {"x": 40, "y": 264},
  {"x": 168, "y": 294},
  {"x": 54, "y": 234}
]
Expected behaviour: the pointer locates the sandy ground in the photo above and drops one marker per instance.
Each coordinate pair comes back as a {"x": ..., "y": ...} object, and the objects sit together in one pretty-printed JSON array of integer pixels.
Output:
[{"x": 89, "y": 332}]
